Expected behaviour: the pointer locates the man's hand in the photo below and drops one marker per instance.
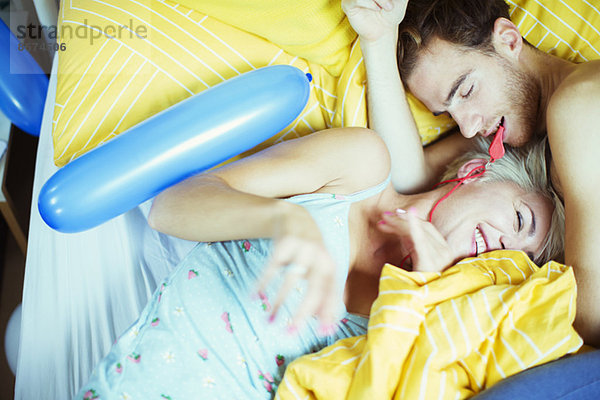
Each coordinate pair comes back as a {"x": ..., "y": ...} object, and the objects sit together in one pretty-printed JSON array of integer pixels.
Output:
[{"x": 373, "y": 19}]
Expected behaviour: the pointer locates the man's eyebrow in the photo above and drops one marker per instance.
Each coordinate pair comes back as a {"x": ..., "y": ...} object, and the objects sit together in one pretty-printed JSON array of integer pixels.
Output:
[{"x": 455, "y": 87}]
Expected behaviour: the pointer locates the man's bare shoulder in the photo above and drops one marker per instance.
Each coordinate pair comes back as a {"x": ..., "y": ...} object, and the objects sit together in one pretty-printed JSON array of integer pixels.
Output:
[
  {"x": 573, "y": 124},
  {"x": 580, "y": 86},
  {"x": 575, "y": 100}
]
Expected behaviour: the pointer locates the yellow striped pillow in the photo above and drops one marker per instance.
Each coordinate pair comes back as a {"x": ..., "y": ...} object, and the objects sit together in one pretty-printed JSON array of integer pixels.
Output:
[
  {"x": 569, "y": 29},
  {"x": 126, "y": 60},
  {"x": 112, "y": 81}
]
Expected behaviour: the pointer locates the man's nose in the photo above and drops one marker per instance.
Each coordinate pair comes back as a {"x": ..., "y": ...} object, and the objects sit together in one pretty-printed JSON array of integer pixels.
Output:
[{"x": 469, "y": 122}]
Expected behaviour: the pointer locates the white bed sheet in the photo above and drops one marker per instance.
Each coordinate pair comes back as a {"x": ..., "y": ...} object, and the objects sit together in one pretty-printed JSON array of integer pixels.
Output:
[{"x": 81, "y": 290}]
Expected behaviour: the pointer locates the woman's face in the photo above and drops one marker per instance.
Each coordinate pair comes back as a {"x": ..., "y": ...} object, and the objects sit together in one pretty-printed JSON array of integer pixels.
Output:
[{"x": 480, "y": 217}]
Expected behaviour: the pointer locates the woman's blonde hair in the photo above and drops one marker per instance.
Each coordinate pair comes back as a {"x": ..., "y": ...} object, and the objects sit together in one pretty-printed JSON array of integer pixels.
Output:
[{"x": 528, "y": 168}]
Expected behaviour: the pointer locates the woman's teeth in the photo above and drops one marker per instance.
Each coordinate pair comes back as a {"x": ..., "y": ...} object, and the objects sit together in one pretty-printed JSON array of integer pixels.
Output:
[{"x": 479, "y": 242}]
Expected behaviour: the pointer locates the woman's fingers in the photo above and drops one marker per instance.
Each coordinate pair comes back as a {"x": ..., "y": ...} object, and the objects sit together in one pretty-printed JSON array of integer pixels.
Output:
[
  {"x": 283, "y": 254},
  {"x": 293, "y": 273},
  {"x": 298, "y": 260},
  {"x": 394, "y": 222},
  {"x": 420, "y": 239},
  {"x": 319, "y": 298},
  {"x": 431, "y": 252}
]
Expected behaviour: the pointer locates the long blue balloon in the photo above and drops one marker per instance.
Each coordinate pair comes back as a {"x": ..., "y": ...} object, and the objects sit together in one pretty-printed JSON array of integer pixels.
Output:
[
  {"x": 23, "y": 84},
  {"x": 187, "y": 138}
]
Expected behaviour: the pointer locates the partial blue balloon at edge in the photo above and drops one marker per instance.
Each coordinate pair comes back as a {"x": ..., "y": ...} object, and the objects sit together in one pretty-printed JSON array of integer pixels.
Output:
[
  {"x": 189, "y": 137},
  {"x": 23, "y": 84}
]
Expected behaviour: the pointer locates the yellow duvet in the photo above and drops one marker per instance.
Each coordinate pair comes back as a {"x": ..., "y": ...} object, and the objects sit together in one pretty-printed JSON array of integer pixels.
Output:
[{"x": 447, "y": 336}]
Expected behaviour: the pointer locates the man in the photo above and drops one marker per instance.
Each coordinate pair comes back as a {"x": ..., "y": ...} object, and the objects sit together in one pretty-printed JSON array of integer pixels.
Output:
[{"x": 466, "y": 58}]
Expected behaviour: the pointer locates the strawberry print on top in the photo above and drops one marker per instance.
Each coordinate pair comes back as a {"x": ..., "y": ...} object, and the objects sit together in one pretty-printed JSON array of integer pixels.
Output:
[
  {"x": 225, "y": 318},
  {"x": 266, "y": 306},
  {"x": 280, "y": 360},
  {"x": 90, "y": 395},
  {"x": 203, "y": 353},
  {"x": 160, "y": 292},
  {"x": 246, "y": 246},
  {"x": 267, "y": 379},
  {"x": 134, "y": 358}
]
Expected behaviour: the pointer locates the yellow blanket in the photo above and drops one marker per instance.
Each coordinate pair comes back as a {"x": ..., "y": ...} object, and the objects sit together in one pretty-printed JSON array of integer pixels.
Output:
[{"x": 447, "y": 336}]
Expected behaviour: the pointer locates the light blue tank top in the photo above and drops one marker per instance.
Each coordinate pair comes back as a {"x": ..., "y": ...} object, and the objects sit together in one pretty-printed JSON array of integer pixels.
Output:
[{"x": 202, "y": 334}]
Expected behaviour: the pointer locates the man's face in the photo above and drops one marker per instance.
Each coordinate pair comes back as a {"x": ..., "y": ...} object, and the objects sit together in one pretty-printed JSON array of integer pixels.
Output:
[{"x": 477, "y": 90}]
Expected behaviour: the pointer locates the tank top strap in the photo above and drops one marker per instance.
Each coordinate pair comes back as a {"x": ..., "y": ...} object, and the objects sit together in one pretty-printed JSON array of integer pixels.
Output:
[{"x": 368, "y": 192}]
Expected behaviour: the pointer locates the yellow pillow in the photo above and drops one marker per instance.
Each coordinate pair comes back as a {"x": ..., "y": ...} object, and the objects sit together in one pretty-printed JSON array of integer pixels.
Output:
[
  {"x": 127, "y": 60},
  {"x": 115, "y": 79},
  {"x": 316, "y": 30},
  {"x": 569, "y": 29}
]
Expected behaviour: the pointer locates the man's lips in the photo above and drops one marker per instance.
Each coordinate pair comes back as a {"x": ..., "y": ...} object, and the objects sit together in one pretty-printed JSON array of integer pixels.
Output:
[{"x": 494, "y": 128}]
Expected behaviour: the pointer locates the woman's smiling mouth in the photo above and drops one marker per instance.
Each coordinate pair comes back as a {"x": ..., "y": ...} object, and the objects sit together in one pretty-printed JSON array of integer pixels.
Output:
[{"x": 480, "y": 244}]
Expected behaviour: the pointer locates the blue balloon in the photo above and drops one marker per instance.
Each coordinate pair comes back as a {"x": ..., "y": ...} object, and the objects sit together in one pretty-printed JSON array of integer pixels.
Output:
[
  {"x": 187, "y": 138},
  {"x": 23, "y": 84}
]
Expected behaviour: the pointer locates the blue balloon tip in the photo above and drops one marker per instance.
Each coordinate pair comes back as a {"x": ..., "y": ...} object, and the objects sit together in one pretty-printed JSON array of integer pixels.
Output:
[{"x": 309, "y": 77}]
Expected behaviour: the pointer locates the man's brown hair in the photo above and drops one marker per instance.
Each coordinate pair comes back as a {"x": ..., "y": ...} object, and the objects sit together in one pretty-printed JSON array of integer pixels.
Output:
[{"x": 467, "y": 23}]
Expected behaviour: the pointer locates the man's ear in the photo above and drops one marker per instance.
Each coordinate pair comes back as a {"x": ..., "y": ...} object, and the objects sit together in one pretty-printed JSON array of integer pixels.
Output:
[
  {"x": 507, "y": 39},
  {"x": 470, "y": 166}
]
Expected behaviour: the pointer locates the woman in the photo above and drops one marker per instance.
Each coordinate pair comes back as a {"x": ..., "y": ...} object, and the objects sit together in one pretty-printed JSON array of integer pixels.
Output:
[{"x": 327, "y": 201}]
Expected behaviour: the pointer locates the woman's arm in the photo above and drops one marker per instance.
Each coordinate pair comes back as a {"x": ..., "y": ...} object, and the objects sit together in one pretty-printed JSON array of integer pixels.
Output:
[
  {"x": 376, "y": 22},
  {"x": 242, "y": 200}
]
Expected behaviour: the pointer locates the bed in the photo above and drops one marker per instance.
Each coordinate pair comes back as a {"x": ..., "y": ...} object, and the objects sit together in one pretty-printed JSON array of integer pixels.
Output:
[{"x": 81, "y": 290}]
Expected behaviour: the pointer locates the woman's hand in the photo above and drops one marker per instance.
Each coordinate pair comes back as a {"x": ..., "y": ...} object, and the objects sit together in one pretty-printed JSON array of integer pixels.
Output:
[
  {"x": 299, "y": 253},
  {"x": 373, "y": 19},
  {"x": 428, "y": 249}
]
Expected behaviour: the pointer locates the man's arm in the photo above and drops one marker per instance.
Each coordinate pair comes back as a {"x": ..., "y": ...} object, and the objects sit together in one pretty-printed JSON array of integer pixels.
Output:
[
  {"x": 376, "y": 23},
  {"x": 413, "y": 169},
  {"x": 574, "y": 135},
  {"x": 443, "y": 151},
  {"x": 390, "y": 116}
]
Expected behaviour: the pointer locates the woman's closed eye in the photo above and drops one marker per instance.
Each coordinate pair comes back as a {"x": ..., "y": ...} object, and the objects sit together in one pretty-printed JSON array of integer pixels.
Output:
[
  {"x": 469, "y": 93},
  {"x": 520, "y": 226},
  {"x": 519, "y": 221}
]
